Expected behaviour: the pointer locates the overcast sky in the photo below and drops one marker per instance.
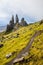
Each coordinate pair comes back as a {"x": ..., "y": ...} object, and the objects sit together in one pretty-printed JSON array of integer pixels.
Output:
[{"x": 31, "y": 10}]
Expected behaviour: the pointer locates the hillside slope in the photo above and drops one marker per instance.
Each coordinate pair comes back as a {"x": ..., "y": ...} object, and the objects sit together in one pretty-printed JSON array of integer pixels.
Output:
[{"x": 18, "y": 40}]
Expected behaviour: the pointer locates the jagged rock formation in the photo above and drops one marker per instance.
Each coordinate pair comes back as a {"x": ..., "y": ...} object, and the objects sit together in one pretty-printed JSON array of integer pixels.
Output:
[
  {"x": 17, "y": 19},
  {"x": 23, "y": 22},
  {"x": 15, "y": 25},
  {"x": 12, "y": 22},
  {"x": 10, "y": 26}
]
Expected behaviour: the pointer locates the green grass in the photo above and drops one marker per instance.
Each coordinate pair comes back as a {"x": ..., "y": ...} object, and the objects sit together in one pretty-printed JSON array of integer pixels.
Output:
[{"x": 12, "y": 44}]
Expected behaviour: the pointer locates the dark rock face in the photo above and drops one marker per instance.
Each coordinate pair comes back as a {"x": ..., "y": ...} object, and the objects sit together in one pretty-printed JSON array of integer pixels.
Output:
[
  {"x": 10, "y": 26},
  {"x": 15, "y": 25},
  {"x": 17, "y": 19},
  {"x": 8, "y": 55},
  {"x": 19, "y": 60},
  {"x": 23, "y": 22},
  {"x": 1, "y": 45}
]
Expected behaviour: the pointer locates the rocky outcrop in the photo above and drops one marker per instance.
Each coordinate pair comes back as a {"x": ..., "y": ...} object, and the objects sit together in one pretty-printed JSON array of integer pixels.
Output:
[
  {"x": 23, "y": 22},
  {"x": 15, "y": 25}
]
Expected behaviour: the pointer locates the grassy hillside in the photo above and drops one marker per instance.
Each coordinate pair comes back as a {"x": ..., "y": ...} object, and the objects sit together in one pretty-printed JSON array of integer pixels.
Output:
[{"x": 16, "y": 41}]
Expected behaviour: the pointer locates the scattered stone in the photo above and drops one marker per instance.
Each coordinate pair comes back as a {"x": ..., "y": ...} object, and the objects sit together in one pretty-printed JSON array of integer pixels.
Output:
[
  {"x": 1, "y": 45},
  {"x": 25, "y": 54},
  {"x": 18, "y": 60},
  {"x": 8, "y": 55}
]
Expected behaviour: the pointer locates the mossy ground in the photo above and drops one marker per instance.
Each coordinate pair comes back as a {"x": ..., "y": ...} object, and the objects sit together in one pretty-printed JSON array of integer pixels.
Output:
[{"x": 12, "y": 43}]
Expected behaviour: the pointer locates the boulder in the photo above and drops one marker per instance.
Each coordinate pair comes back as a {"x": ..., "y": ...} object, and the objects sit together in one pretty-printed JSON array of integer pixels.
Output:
[
  {"x": 18, "y": 60},
  {"x": 8, "y": 55},
  {"x": 1, "y": 45},
  {"x": 25, "y": 54},
  {"x": 23, "y": 22}
]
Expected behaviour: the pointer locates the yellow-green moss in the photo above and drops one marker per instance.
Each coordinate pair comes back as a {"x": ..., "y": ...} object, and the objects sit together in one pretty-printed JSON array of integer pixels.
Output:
[{"x": 17, "y": 44}]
